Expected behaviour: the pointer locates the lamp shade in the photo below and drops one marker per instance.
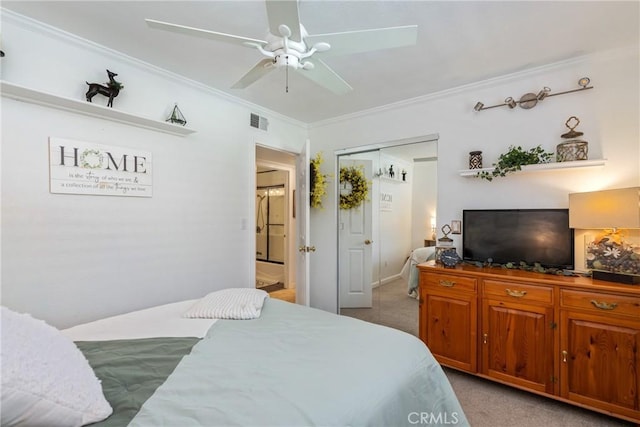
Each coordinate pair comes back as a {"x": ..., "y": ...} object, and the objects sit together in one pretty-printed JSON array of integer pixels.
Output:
[{"x": 618, "y": 208}]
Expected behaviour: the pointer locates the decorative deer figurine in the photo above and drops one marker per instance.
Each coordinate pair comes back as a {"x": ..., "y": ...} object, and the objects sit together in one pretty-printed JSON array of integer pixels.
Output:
[{"x": 112, "y": 89}]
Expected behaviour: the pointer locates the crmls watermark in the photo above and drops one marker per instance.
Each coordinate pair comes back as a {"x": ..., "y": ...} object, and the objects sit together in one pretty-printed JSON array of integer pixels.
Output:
[{"x": 439, "y": 418}]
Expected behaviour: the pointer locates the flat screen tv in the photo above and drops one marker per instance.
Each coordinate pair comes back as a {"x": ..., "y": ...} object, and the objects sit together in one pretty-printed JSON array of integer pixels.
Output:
[{"x": 518, "y": 235}]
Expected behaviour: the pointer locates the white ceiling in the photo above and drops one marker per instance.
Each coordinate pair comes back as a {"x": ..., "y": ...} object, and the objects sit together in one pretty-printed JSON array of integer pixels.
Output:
[{"x": 458, "y": 43}]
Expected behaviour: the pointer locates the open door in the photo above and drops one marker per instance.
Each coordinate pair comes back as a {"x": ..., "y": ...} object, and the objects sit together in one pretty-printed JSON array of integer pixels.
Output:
[
  {"x": 302, "y": 220},
  {"x": 355, "y": 247}
]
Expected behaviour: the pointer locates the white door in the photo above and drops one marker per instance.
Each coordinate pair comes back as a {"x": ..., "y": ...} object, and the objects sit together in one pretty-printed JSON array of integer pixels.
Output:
[
  {"x": 355, "y": 241},
  {"x": 302, "y": 221}
]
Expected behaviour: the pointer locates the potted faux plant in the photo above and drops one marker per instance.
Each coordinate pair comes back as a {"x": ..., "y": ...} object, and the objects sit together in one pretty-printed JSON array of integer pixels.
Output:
[{"x": 514, "y": 159}]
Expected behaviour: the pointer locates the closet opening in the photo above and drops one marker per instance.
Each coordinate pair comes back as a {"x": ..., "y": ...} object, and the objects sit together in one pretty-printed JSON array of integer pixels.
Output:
[{"x": 376, "y": 241}]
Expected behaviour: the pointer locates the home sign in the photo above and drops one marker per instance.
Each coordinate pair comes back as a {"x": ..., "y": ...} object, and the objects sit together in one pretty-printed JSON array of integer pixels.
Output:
[{"x": 77, "y": 167}]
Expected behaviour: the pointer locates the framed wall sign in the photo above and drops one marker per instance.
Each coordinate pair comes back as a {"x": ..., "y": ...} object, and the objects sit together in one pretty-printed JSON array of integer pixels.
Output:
[{"x": 77, "y": 167}]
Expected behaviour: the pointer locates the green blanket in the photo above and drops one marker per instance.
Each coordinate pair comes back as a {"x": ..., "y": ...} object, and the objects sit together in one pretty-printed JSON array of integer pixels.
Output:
[{"x": 132, "y": 370}]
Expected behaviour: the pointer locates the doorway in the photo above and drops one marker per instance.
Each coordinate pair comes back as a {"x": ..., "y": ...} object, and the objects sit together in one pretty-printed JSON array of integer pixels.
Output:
[
  {"x": 403, "y": 197},
  {"x": 275, "y": 223}
]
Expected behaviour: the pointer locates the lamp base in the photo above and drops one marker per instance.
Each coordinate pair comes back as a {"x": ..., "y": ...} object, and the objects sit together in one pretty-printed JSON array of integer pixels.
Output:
[{"x": 629, "y": 279}]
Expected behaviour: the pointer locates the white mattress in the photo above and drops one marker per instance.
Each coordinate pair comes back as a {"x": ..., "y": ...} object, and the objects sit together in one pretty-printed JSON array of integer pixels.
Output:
[{"x": 161, "y": 321}]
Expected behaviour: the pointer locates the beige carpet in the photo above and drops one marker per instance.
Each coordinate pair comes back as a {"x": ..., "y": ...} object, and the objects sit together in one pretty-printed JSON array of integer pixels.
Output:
[
  {"x": 391, "y": 307},
  {"x": 486, "y": 404}
]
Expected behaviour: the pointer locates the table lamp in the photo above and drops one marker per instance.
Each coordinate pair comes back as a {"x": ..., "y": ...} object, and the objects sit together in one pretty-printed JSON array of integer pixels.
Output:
[{"x": 609, "y": 256}]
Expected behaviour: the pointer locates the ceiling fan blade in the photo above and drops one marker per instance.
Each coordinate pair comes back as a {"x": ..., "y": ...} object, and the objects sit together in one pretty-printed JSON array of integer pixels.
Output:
[
  {"x": 326, "y": 77},
  {"x": 284, "y": 12},
  {"x": 261, "y": 69},
  {"x": 212, "y": 35},
  {"x": 366, "y": 40}
]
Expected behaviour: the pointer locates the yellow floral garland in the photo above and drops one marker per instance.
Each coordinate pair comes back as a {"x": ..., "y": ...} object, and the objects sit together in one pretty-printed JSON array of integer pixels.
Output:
[
  {"x": 319, "y": 184},
  {"x": 353, "y": 175}
]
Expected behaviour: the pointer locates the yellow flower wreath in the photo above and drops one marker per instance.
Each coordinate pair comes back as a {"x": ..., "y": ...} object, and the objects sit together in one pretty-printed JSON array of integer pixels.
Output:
[
  {"x": 353, "y": 175},
  {"x": 318, "y": 182}
]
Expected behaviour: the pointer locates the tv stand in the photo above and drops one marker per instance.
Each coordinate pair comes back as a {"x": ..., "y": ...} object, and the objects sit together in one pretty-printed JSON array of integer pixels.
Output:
[{"x": 569, "y": 338}]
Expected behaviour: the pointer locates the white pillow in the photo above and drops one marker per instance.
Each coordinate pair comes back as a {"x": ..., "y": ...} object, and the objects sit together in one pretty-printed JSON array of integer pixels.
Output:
[
  {"x": 46, "y": 380},
  {"x": 232, "y": 303}
]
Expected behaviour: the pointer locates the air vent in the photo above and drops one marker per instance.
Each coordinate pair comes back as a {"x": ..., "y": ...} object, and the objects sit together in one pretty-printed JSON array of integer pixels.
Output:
[{"x": 258, "y": 122}]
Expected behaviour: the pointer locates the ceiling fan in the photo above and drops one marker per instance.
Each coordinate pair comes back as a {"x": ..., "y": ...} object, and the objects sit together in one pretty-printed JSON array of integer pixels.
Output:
[{"x": 289, "y": 45}]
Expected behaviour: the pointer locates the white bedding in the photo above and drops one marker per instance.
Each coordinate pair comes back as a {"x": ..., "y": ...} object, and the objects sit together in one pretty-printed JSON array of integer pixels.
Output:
[{"x": 161, "y": 321}]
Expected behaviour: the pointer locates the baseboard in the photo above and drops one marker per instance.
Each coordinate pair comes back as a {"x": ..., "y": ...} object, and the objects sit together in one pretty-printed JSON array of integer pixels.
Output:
[{"x": 385, "y": 281}]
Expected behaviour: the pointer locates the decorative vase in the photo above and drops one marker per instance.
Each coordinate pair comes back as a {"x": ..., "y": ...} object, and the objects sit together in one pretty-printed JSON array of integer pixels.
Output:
[
  {"x": 572, "y": 150},
  {"x": 475, "y": 160},
  {"x": 575, "y": 149}
]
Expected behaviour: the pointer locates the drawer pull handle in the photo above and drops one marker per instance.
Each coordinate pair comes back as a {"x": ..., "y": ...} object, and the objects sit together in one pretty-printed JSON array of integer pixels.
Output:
[
  {"x": 447, "y": 283},
  {"x": 484, "y": 338},
  {"x": 517, "y": 294},
  {"x": 564, "y": 356},
  {"x": 604, "y": 305}
]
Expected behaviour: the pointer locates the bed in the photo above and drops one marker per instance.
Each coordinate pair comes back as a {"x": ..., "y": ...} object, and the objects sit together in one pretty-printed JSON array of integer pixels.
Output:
[
  {"x": 290, "y": 366},
  {"x": 409, "y": 270}
]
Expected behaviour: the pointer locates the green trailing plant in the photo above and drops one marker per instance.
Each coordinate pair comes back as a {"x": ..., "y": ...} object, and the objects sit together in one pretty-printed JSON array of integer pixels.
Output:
[{"x": 514, "y": 159}]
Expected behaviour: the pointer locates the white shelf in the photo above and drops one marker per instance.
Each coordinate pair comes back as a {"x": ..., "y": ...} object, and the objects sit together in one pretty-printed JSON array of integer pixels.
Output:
[
  {"x": 21, "y": 93},
  {"x": 542, "y": 167},
  {"x": 396, "y": 180}
]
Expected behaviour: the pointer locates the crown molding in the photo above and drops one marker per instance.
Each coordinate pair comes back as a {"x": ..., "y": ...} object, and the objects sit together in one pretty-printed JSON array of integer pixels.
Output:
[{"x": 608, "y": 55}]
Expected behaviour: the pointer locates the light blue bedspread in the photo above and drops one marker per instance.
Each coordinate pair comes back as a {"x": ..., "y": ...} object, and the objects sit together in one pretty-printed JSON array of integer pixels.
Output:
[
  {"x": 410, "y": 271},
  {"x": 296, "y": 366}
]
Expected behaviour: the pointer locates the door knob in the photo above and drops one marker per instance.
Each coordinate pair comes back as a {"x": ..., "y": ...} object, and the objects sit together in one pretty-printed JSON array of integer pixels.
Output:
[
  {"x": 307, "y": 249},
  {"x": 368, "y": 242},
  {"x": 302, "y": 249}
]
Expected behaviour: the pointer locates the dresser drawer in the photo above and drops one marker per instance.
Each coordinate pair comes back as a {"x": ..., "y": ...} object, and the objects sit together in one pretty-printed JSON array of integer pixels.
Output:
[
  {"x": 601, "y": 303},
  {"x": 449, "y": 281},
  {"x": 518, "y": 291}
]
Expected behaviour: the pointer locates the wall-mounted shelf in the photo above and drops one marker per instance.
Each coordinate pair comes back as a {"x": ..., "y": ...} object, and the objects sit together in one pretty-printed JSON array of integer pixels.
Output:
[
  {"x": 542, "y": 166},
  {"x": 21, "y": 93},
  {"x": 396, "y": 180}
]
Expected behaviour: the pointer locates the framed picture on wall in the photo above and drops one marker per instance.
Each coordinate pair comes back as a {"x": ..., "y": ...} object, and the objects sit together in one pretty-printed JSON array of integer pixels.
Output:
[{"x": 456, "y": 227}]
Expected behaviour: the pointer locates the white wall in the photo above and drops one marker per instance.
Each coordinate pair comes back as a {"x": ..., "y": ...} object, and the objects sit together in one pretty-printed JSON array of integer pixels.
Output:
[
  {"x": 69, "y": 259},
  {"x": 609, "y": 119}
]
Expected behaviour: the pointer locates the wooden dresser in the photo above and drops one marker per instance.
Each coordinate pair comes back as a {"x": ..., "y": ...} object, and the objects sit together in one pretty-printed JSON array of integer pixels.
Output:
[{"x": 570, "y": 338}]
